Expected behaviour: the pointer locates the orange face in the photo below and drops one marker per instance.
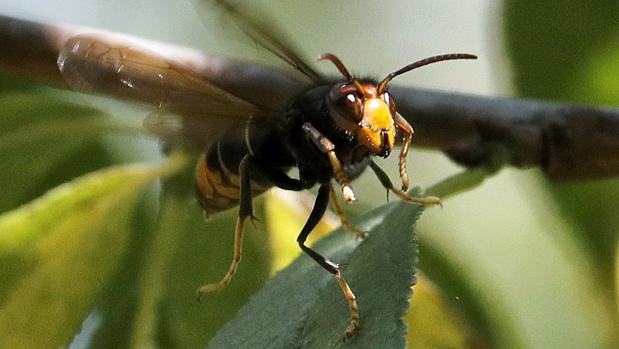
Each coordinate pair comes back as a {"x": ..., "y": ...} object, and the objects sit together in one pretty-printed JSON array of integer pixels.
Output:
[{"x": 365, "y": 114}]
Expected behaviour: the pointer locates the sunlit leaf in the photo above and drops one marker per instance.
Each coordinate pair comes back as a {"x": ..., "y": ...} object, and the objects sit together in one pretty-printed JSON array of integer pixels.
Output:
[{"x": 67, "y": 243}]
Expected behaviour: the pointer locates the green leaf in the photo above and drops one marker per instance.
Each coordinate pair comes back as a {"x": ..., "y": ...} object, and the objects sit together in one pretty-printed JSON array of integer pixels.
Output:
[
  {"x": 550, "y": 44},
  {"x": 115, "y": 305},
  {"x": 67, "y": 244},
  {"x": 303, "y": 307},
  {"x": 151, "y": 301},
  {"x": 203, "y": 254},
  {"x": 152, "y": 283},
  {"x": 12, "y": 84},
  {"x": 39, "y": 133}
]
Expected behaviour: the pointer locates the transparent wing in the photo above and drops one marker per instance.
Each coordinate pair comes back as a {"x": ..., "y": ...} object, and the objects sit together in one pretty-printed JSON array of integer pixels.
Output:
[
  {"x": 204, "y": 111},
  {"x": 257, "y": 26}
]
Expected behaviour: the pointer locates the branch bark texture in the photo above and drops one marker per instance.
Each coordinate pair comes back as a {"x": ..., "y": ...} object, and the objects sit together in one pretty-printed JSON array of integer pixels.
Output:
[{"x": 569, "y": 142}]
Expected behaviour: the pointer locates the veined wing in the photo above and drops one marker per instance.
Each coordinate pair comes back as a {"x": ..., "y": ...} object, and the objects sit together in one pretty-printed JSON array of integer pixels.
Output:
[
  {"x": 98, "y": 65},
  {"x": 257, "y": 26}
]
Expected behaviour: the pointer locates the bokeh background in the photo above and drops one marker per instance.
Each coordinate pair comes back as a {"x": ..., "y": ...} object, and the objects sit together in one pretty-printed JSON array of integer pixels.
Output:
[{"x": 519, "y": 262}]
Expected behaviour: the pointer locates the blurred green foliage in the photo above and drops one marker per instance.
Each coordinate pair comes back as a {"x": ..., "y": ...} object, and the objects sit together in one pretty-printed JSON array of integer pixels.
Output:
[
  {"x": 63, "y": 247},
  {"x": 565, "y": 52},
  {"x": 559, "y": 52},
  {"x": 46, "y": 141},
  {"x": 570, "y": 53}
]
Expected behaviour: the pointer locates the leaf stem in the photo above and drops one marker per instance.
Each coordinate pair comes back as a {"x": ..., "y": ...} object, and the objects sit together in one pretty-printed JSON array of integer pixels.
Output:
[{"x": 459, "y": 182}]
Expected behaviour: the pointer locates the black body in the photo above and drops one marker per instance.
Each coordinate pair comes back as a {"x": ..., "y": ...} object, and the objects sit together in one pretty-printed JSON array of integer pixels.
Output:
[{"x": 275, "y": 144}]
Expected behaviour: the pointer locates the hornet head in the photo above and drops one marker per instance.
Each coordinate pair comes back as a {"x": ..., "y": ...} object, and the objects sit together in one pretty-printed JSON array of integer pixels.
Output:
[{"x": 366, "y": 111}]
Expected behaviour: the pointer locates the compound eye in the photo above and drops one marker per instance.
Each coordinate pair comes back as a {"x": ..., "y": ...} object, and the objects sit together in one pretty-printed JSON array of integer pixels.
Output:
[
  {"x": 347, "y": 103},
  {"x": 352, "y": 107}
]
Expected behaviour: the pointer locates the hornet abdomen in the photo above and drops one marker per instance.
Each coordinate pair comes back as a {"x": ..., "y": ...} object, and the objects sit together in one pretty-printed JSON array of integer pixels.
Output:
[{"x": 218, "y": 180}]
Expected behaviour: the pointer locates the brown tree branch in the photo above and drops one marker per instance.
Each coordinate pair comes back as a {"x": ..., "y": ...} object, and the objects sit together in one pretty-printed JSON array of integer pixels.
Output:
[{"x": 569, "y": 142}]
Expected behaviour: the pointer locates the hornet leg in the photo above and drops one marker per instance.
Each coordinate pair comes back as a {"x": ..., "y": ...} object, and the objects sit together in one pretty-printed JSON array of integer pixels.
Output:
[
  {"x": 340, "y": 213},
  {"x": 327, "y": 147},
  {"x": 407, "y": 129},
  {"x": 248, "y": 167},
  {"x": 320, "y": 206},
  {"x": 386, "y": 182}
]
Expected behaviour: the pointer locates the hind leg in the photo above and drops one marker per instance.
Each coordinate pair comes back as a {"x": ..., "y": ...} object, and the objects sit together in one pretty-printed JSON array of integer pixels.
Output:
[{"x": 248, "y": 168}]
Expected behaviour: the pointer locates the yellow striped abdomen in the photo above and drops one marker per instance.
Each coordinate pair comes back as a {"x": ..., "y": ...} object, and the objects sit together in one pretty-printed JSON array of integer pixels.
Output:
[{"x": 218, "y": 183}]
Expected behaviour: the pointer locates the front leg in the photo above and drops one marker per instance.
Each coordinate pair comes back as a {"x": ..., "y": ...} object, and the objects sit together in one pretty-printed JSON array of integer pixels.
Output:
[
  {"x": 343, "y": 219},
  {"x": 327, "y": 147},
  {"x": 386, "y": 182},
  {"x": 407, "y": 129}
]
